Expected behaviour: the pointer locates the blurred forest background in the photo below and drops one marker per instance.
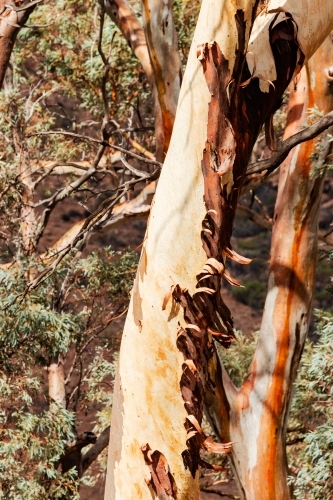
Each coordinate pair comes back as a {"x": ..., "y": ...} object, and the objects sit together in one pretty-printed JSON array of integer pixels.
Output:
[{"x": 69, "y": 250}]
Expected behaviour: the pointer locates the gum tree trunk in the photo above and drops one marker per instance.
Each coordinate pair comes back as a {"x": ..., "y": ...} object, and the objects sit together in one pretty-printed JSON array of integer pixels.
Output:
[
  {"x": 10, "y": 22},
  {"x": 166, "y": 362}
]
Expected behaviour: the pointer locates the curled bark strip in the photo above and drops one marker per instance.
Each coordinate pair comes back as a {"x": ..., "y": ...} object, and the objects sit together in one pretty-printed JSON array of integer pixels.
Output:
[
  {"x": 161, "y": 479},
  {"x": 202, "y": 313}
]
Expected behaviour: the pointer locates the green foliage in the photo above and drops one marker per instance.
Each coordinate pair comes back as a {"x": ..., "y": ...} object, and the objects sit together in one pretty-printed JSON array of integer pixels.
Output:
[
  {"x": 253, "y": 294},
  {"x": 31, "y": 445},
  {"x": 312, "y": 412},
  {"x": 238, "y": 357},
  {"x": 33, "y": 332}
]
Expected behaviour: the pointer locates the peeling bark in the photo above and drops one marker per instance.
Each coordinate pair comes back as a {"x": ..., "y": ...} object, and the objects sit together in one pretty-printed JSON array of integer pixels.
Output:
[{"x": 160, "y": 478}]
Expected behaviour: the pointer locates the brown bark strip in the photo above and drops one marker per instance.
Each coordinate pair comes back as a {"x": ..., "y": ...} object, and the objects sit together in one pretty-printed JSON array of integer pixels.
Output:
[{"x": 161, "y": 479}]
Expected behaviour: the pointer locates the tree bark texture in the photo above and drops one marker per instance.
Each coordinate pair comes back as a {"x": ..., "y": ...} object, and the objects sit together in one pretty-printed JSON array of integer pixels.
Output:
[
  {"x": 166, "y": 363},
  {"x": 255, "y": 415}
]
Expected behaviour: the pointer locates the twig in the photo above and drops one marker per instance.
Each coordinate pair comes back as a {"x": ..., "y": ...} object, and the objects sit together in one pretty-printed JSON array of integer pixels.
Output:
[{"x": 97, "y": 141}]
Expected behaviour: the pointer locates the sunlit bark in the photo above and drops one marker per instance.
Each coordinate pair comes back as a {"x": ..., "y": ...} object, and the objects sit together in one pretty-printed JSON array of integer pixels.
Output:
[{"x": 148, "y": 406}]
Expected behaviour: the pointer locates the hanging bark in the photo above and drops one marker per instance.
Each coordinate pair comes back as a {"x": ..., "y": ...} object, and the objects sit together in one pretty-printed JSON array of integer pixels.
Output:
[
  {"x": 219, "y": 85},
  {"x": 162, "y": 44},
  {"x": 257, "y": 413}
]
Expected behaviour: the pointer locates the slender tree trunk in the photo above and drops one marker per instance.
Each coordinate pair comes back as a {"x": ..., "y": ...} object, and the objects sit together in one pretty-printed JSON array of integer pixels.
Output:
[
  {"x": 10, "y": 23},
  {"x": 257, "y": 413},
  {"x": 56, "y": 379},
  {"x": 161, "y": 382},
  {"x": 162, "y": 44},
  {"x": 156, "y": 47},
  {"x": 125, "y": 19}
]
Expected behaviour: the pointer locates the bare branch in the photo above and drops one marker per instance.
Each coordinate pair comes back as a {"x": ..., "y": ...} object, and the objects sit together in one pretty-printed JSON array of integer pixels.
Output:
[
  {"x": 97, "y": 141},
  {"x": 269, "y": 165},
  {"x": 137, "y": 208}
]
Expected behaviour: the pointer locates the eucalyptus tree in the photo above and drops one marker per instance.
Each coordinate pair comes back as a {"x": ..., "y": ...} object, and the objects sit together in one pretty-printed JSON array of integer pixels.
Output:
[{"x": 238, "y": 68}]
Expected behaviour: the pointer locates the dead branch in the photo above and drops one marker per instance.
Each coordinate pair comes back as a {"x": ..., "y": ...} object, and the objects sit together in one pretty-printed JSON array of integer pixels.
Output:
[
  {"x": 137, "y": 208},
  {"x": 92, "y": 454},
  {"x": 99, "y": 142},
  {"x": 270, "y": 164}
]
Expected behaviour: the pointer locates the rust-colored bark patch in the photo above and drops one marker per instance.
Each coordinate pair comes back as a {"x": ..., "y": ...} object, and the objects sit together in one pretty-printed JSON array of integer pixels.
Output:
[{"x": 161, "y": 479}]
